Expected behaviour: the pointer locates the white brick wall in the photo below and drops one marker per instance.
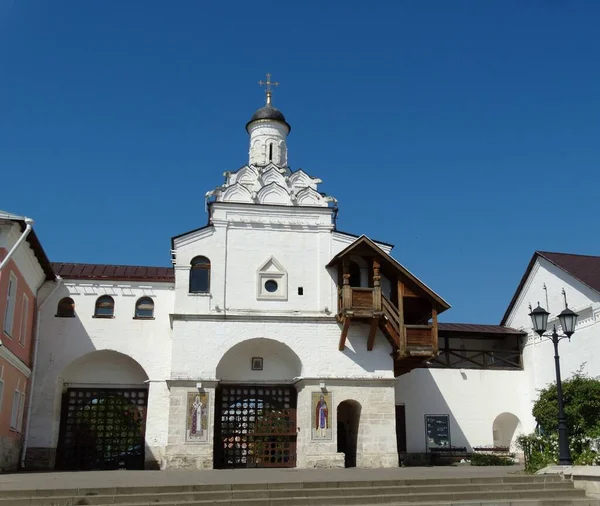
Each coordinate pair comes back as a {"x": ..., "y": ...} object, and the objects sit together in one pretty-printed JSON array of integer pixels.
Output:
[
  {"x": 199, "y": 345},
  {"x": 67, "y": 346}
]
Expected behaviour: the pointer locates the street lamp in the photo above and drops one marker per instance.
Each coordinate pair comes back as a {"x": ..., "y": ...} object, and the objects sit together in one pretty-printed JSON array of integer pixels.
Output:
[{"x": 568, "y": 320}]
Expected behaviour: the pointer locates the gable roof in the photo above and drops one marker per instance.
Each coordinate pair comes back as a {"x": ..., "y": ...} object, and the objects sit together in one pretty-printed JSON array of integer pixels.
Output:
[
  {"x": 364, "y": 241},
  {"x": 114, "y": 272},
  {"x": 584, "y": 268},
  {"x": 34, "y": 243}
]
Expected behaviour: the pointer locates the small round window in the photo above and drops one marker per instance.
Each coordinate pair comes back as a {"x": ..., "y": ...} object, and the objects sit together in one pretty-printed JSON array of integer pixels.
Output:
[{"x": 271, "y": 286}]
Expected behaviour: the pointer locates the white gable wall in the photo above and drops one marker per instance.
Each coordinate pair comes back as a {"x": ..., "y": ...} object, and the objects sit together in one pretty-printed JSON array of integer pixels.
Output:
[
  {"x": 538, "y": 354},
  {"x": 239, "y": 243}
]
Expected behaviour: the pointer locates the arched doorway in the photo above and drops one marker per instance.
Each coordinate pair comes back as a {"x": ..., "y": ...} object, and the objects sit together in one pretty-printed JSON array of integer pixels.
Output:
[
  {"x": 504, "y": 428},
  {"x": 103, "y": 415},
  {"x": 348, "y": 420},
  {"x": 255, "y": 406},
  {"x": 355, "y": 277}
]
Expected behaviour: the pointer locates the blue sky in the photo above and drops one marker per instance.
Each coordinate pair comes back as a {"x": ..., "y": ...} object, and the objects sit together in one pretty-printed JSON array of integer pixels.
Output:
[{"x": 464, "y": 132}]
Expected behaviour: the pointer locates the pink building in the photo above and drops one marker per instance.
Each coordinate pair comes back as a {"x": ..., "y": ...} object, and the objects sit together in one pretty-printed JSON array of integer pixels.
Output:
[{"x": 23, "y": 269}]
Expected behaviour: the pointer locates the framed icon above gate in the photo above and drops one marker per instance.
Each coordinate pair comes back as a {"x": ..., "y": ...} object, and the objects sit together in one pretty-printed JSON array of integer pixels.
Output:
[{"x": 257, "y": 363}]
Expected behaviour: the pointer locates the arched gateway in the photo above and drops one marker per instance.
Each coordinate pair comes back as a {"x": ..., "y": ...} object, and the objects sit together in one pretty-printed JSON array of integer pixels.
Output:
[
  {"x": 255, "y": 408},
  {"x": 103, "y": 415}
]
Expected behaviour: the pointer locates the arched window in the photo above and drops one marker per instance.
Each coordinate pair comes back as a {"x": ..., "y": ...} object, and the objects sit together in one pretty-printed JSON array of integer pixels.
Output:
[
  {"x": 66, "y": 308},
  {"x": 200, "y": 275},
  {"x": 105, "y": 307},
  {"x": 144, "y": 308}
]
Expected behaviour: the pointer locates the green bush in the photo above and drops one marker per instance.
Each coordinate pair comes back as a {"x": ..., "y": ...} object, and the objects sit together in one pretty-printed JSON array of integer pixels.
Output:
[
  {"x": 539, "y": 451},
  {"x": 581, "y": 396},
  {"x": 487, "y": 459}
]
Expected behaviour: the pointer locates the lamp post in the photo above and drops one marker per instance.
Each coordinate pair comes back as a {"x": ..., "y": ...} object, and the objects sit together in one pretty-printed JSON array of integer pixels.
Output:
[{"x": 568, "y": 320}]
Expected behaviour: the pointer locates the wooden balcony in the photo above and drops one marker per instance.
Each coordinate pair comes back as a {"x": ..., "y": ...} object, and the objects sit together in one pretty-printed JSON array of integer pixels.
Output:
[
  {"x": 410, "y": 343},
  {"x": 407, "y": 317},
  {"x": 358, "y": 302}
]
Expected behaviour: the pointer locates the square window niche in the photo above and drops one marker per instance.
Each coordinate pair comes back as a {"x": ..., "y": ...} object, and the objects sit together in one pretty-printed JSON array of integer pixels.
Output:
[{"x": 271, "y": 281}]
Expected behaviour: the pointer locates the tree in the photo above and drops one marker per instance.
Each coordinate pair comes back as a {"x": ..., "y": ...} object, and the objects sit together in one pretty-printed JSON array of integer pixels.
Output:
[{"x": 581, "y": 396}]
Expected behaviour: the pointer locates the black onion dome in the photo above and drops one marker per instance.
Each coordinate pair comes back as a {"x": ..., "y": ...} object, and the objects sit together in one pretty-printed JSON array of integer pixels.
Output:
[{"x": 268, "y": 112}]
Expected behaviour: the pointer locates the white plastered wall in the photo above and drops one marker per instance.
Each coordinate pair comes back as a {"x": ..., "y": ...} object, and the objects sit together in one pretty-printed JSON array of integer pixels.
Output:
[{"x": 473, "y": 399}]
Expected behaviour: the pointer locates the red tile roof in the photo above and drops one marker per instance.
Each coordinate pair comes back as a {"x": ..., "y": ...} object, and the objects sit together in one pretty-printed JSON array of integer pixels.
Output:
[
  {"x": 585, "y": 268},
  {"x": 114, "y": 272}
]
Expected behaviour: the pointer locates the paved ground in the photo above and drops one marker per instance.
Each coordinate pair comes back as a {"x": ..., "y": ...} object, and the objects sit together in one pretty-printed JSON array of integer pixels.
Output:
[{"x": 106, "y": 479}]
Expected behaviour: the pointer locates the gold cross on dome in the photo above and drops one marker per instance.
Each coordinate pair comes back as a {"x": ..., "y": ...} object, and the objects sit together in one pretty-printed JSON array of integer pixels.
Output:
[{"x": 267, "y": 84}]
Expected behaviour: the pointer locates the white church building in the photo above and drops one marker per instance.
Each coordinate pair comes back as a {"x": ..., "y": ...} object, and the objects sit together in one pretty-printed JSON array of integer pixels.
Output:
[{"x": 277, "y": 340}]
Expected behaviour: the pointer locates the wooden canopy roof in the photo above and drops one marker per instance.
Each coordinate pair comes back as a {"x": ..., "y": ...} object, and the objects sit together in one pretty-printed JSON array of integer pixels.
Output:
[{"x": 363, "y": 246}]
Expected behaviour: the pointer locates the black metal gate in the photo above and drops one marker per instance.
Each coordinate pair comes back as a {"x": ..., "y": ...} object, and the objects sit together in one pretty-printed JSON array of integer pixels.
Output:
[
  {"x": 102, "y": 429},
  {"x": 255, "y": 426}
]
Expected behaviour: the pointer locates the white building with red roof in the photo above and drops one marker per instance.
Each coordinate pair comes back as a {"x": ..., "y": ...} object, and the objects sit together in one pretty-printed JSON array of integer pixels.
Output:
[{"x": 277, "y": 340}]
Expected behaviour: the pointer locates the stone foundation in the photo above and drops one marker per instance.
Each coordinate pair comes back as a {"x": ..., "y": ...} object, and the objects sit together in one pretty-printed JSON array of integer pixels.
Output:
[
  {"x": 10, "y": 451},
  {"x": 180, "y": 453},
  {"x": 187, "y": 462},
  {"x": 368, "y": 414},
  {"x": 153, "y": 458},
  {"x": 326, "y": 461},
  {"x": 374, "y": 460}
]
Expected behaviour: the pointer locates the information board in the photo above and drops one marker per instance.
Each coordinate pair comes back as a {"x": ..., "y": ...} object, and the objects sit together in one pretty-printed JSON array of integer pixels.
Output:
[{"x": 437, "y": 431}]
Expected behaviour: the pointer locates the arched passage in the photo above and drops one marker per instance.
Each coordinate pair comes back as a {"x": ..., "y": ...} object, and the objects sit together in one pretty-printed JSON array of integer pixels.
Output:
[
  {"x": 348, "y": 421},
  {"x": 255, "y": 405},
  {"x": 104, "y": 367},
  {"x": 259, "y": 360},
  {"x": 504, "y": 428},
  {"x": 103, "y": 415}
]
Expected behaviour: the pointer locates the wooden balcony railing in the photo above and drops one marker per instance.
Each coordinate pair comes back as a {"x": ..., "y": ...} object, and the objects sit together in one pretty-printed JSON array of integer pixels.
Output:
[
  {"x": 362, "y": 298},
  {"x": 477, "y": 359},
  {"x": 416, "y": 341},
  {"x": 358, "y": 299},
  {"x": 419, "y": 335}
]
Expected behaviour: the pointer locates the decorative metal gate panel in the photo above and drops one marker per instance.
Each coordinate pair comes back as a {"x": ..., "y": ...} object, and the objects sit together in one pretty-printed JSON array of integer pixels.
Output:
[
  {"x": 255, "y": 426},
  {"x": 102, "y": 429}
]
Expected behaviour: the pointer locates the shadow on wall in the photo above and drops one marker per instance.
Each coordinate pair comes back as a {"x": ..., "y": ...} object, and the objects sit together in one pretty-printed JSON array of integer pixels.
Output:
[
  {"x": 67, "y": 356},
  {"x": 476, "y": 418},
  {"x": 378, "y": 359},
  {"x": 421, "y": 396}
]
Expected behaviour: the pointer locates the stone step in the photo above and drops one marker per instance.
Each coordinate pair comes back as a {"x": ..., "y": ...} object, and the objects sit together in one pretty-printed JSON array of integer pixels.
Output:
[
  {"x": 507, "y": 480},
  {"x": 315, "y": 496},
  {"x": 364, "y": 501}
]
